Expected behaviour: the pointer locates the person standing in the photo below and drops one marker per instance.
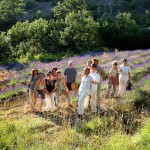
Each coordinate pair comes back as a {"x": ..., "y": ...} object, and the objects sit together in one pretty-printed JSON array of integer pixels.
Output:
[
  {"x": 61, "y": 88},
  {"x": 40, "y": 89},
  {"x": 101, "y": 72},
  {"x": 89, "y": 63},
  {"x": 32, "y": 82},
  {"x": 113, "y": 80},
  {"x": 85, "y": 90},
  {"x": 51, "y": 86},
  {"x": 124, "y": 77},
  {"x": 54, "y": 69},
  {"x": 95, "y": 82},
  {"x": 70, "y": 77}
]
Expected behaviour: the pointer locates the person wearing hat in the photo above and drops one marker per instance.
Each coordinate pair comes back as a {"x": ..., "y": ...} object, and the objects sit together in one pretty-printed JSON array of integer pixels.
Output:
[
  {"x": 101, "y": 72},
  {"x": 70, "y": 76},
  {"x": 124, "y": 77},
  {"x": 32, "y": 82},
  {"x": 85, "y": 90},
  {"x": 113, "y": 80},
  {"x": 95, "y": 82}
]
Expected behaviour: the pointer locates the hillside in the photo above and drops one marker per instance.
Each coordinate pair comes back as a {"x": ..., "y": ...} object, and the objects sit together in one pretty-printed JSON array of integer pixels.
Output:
[{"x": 122, "y": 123}]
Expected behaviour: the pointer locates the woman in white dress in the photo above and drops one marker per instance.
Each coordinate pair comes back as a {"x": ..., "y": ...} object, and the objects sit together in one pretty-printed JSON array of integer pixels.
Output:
[
  {"x": 124, "y": 77},
  {"x": 85, "y": 90}
]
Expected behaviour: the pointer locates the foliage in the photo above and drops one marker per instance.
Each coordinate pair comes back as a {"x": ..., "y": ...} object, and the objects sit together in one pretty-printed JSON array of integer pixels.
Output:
[
  {"x": 81, "y": 31},
  {"x": 10, "y": 11},
  {"x": 5, "y": 50},
  {"x": 66, "y": 7}
]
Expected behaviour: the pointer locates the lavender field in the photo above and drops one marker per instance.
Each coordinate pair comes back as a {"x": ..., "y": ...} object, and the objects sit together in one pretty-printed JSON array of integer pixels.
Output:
[
  {"x": 123, "y": 124},
  {"x": 15, "y": 81}
]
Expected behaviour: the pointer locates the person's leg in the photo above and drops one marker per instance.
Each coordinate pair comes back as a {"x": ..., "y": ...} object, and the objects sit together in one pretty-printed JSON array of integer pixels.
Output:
[
  {"x": 40, "y": 105},
  {"x": 122, "y": 87},
  {"x": 57, "y": 94},
  {"x": 99, "y": 93},
  {"x": 69, "y": 89},
  {"x": 31, "y": 100},
  {"x": 94, "y": 101},
  {"x": 52, "y": 101},
  {"x": 113, "y": 90},
  {"x": 81, "y": 103},
  {"x": 109, "y": 86}
]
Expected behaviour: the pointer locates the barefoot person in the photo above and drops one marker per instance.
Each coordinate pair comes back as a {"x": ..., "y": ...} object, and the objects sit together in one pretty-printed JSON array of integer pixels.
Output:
[
  {"x": 40, "y": 89},
  {"x": 32, "y": 81},
  {"x": 61, "y": 87},
  {"x": 124, "y": 77},
  {"x": 85, "y": 90},
  {"x": 113, "y": 80},
  {"x": 70, "y": 77}
]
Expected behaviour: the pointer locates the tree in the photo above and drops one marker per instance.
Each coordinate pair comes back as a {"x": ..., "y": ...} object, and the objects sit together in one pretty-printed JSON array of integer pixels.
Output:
[
  {"x": 81, "y": 31},
  {"x": 62, "y": 9},
  {"x": 18, "y": 33},
  {"x": 10, "y": 11},
  {"x": 5, "y": 51}
]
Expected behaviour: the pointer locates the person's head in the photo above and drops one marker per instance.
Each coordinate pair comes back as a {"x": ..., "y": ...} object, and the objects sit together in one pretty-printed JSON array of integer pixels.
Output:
[
  {"x": 89, "y": 63},
  {"x": 58, "y": 72},
  {"x": 42, "y": 76},
  {"x": 114, "y": 64},
  {"x": 124, "y": 61},
  {"x": 95, "y": 61},
  {"x": 50, "y": 75},
  {"x": 86, "y": 71},
  {"x": 70, "y": 64},
  {"x": 34, "y": 71},
  {"x": 54, "y": 69},
  {"x": 93, "y": 67}
]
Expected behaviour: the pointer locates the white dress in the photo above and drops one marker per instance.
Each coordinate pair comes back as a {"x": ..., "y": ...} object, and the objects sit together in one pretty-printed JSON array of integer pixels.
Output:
[
  {"x": 84, "y": 91},
  {"x": 123, "y": 79}
]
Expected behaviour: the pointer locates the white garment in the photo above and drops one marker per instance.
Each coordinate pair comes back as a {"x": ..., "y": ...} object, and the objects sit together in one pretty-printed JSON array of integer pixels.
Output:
[
  {"x": 93, "y": 101},
  {"x": 123, "y": 79},
  {"x": 50, "y": 103},
  {"x": 86, "y": 85},
  {"x": 96, "y": 78},
  {"x": 84, "y": 91},
  {"x": 124, "y": 72}
]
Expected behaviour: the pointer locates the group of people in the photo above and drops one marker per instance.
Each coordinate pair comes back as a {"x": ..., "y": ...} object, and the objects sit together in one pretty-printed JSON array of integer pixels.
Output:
[{"x": 55, "y": 84}]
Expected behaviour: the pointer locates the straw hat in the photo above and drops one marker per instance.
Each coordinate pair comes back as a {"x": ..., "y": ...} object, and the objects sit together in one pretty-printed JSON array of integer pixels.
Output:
[{"x": 74, "y": 86}]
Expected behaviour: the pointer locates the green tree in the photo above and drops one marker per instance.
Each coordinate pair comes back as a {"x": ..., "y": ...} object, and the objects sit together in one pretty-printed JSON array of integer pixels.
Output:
[
  {"x": 18, "y": 33},
  {"x": 62, "y": 9},
  {"x": 10, "y": 11},
  {"x": 81, "y": 31},
  {"x": 127, "y": 32},
  {"x": 5, "y": 51}
]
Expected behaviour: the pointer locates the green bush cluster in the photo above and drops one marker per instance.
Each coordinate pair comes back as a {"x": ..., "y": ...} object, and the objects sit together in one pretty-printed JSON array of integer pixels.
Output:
[{"x": 73, "y": 29}]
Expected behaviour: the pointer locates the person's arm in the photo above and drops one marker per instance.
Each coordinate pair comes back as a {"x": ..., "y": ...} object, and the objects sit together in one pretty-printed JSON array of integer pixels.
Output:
[
  {"x": 129, "y": 74},
  {"x": 97, "y": 80},
  {"x": 36, "y": 86},
  {"x": 55, "y": 86},
  {"x": 45, "y": 90},
  {"x": 75, "y": 77}
]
